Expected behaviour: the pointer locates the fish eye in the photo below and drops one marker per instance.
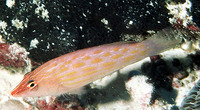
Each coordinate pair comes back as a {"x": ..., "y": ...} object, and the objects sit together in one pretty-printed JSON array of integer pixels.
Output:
[{"x": 31, "y": 84}]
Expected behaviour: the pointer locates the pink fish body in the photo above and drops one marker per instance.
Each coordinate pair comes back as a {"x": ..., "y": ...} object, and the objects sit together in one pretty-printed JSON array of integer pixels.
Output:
[{"x": 77, "y": 69}]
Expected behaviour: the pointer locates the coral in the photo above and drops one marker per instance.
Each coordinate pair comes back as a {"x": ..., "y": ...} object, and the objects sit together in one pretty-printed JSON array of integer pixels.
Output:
[
  {"x": 63, "y": 102},
  {"x": 140, "y": 96},
  {"x": 191, "y": 101},
  {"x": 180, "y": 12},
  {"x": 13, "y": 55}
]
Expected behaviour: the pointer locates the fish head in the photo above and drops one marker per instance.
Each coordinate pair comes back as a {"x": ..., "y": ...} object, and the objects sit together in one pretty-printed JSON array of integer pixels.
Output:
[{"x": 34, "y": 86}]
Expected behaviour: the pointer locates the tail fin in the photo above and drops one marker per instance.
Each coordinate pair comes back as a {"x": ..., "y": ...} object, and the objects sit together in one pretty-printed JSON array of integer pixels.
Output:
[{"x": 164, "y": 39}]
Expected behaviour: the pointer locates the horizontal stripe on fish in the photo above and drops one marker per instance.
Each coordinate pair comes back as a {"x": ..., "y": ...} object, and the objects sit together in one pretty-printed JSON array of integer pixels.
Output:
[
  {"x": 128, "y": 58},
  {"x": 86, "y": 58},
  {"x": 108, "y": 64},
  {"x": 88, "y": 68},
  {"x": 68, "y": 62},
  {"x": 117, "y": 56},
  {"x": 134, "y": 51},
  {"x": 68, "y": 74},
  {"x": 77, "y": 65},
  {"x": 107, "y": 54},
  {"x": 96, "y": 60},
  {"x": 62, "y": 70},
  {"x": 48, "y": 68},
  {"x": 89, "y": 75},
  {"x": 116, "y": 48},
  {"x": 76, "y": 77},
  {"x": 97, "y": 51},
  {"x": 79, "y": 81},
  {"x": 125, "y": 50}
]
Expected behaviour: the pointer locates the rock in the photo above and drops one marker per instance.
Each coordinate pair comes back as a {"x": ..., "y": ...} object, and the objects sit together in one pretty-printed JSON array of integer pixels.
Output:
[{"x": 12, "y": 105}]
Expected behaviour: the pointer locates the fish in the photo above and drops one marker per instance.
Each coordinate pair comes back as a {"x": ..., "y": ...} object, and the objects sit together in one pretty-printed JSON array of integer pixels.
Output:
[{"x": 72, "y": 71}]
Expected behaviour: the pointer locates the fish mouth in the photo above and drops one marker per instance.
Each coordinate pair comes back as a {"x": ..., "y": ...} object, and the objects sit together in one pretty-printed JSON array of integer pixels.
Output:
[{"x": 16, "y": 92}]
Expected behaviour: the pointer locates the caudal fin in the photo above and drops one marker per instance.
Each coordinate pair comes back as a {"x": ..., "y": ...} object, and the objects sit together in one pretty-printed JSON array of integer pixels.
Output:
[{"x": 164, "y": 39}]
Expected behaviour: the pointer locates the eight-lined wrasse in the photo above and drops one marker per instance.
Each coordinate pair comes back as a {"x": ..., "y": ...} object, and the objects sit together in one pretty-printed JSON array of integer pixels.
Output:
[{"x": 74, "y": 70}]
